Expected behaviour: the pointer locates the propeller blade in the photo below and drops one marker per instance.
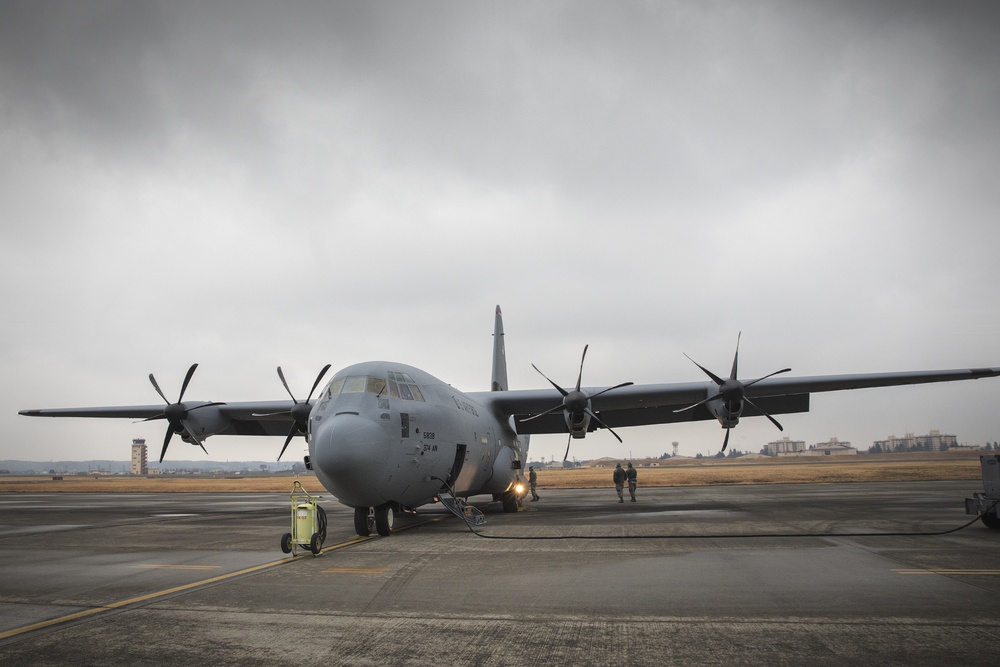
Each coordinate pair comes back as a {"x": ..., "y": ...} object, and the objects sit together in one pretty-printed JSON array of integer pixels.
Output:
[
  {"x": 568, "y": 441},
  {"x": 542, "y": 414},
  {"x": 617, "y": 386},
  {"x": 157, "y": 388},
  {"x": 701, "y": 402},
  {"x": 192, "y": 436},
  {"x": 316, "y": 383},
  {"x": 187, "y": 379},
  {"x": 153, "y": 418},
  {"x": 580, "y": 376},
  {"x": 204, "y": 405},
  {"x": 291, "y": 434},
  {"x": 726, "y": 441},
  {"x": 753, "y": 382},
  {"x": 558, "y": 388},
  {"x": 756, "y": 407},
  {"x": 166, "y": 441},
  {"x": 719, "y": 381},
  {"x": 598, "y": 420},
  {"x": 736, "y": 357},
  {"x": 282, "y": 377}
]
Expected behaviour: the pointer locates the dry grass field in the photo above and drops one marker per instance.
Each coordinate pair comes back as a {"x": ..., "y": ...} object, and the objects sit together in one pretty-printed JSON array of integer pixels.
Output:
[{"x": 685, "y": 472}]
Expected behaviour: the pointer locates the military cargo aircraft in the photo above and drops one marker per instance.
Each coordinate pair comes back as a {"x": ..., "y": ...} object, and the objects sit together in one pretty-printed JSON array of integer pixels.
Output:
[{"x": 386, "y": 438}]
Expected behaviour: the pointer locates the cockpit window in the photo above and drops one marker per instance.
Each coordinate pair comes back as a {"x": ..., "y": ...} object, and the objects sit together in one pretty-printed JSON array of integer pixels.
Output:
[
  {"x": 357, "y": 385},
  {"x": 335, "y": 387},
  {"x": 376, "y": 386},
  {"x": 401, "y": 385}
]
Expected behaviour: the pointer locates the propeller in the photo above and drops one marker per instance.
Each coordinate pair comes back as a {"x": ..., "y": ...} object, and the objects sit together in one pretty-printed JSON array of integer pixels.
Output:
[
  {"x": 732, "y": 391},
  {"x": 299, "y": 412},
  {"x": 176, "y": 413},
  {"x": 576, "y": 403}
]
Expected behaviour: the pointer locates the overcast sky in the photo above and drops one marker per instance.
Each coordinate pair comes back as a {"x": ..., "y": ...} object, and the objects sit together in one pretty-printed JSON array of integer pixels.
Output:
[{"x": 247, "y": 185}]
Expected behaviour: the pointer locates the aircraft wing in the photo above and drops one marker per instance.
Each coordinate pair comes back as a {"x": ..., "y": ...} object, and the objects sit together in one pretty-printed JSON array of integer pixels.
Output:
[
  {"x": 638, "y": 405},
  {"x": 247, "y": 418}
]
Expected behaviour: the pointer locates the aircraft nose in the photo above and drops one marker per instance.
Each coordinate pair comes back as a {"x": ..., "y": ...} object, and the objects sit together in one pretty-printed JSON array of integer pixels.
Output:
[{"x": 349, "y": 452}]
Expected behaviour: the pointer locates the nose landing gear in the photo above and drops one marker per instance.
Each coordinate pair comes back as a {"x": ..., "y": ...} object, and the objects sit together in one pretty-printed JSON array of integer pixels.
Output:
[{"x": 380, "y": 519}]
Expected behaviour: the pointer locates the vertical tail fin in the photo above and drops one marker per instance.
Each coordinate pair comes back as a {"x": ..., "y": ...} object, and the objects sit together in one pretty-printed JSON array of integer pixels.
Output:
[{"x": 499, "y": 382}]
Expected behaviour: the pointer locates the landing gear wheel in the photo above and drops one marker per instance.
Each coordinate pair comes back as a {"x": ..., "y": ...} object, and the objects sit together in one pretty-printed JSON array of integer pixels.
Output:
[
  {"x": 364, "y": 521},
  {"x": 383, "y": 520},
  {"x": 991, "y": 520},
  {"x": 316, "y": 544},
  {"x": 286, "y": 543}
]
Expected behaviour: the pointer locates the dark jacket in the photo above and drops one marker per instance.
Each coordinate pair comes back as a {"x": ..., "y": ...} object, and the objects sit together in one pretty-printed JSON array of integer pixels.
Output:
[{"x": 619, "y": 477}]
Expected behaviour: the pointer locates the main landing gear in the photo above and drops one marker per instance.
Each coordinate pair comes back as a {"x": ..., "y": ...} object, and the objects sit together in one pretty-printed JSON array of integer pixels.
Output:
[{"x": 380, "y": 519}]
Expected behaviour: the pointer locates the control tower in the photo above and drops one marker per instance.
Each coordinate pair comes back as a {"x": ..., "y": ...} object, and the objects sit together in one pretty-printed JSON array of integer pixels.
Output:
[{"x": 139, "y": 457}]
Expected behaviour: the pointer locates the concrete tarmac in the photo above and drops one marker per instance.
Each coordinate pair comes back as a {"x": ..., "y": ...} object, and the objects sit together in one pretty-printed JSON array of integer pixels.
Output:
[{"x": 767, "y": 575}]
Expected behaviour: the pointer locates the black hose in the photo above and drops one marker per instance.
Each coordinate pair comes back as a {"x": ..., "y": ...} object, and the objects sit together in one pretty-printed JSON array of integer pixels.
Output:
[
  {"x": 731, "y": 535},
  {"x": 321, "y": 516}
]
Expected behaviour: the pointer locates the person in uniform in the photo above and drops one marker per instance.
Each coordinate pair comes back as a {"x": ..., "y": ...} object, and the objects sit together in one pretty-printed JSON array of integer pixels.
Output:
[
  {"x": 631, "y": 475},
  {"x": 532, "y": 481},
  {"x": 619, "y": 478}
]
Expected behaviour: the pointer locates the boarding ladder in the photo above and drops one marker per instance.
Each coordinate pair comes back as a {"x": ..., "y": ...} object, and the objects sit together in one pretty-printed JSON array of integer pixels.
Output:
[{"x": 462, "y": 509}]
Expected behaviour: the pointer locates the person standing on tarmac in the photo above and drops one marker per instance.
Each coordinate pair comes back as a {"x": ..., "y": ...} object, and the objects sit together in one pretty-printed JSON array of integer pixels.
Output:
[
  {"x": 631, "y": 475},
  {"x": 619, "y": 478},
  {"x": 532, "y": 481}
]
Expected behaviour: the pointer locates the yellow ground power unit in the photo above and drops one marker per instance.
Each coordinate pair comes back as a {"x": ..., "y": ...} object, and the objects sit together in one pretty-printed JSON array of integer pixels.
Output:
[{"x": 308, "y": 523}]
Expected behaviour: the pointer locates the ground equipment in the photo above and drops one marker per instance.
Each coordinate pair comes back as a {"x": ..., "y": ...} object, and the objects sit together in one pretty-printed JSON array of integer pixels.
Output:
[
  {"x": 986, "y": 504},
  {"x": 308, "y": 523}
]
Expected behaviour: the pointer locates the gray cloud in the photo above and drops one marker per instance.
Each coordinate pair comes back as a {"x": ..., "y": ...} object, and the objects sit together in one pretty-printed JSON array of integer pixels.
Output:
[{"x": 247, "y": 185}]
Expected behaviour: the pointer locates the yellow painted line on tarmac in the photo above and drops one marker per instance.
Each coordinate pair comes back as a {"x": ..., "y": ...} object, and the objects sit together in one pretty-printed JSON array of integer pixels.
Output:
[
  {"x": 358, "y": 570},
  {"x": 986, "y": 572},
  {"x": 153, "y": 566},
  {"x": 169, "y": 591}
]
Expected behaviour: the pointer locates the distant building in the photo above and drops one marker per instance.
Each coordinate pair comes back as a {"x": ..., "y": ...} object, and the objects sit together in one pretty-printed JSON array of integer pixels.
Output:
[
  {"x": 833, "y": 448},
  {"x": 784, "y": 446},
  {"x": 139, "y": 457},
  {"x": 932, "y": 442}
]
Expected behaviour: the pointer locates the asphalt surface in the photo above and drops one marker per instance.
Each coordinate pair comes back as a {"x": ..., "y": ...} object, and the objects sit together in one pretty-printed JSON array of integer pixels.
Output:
[{"x": 777, "y": 575}]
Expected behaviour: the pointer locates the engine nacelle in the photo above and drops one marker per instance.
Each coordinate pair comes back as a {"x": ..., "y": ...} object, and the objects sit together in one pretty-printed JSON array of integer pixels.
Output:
[
  {"x": 204, "y": 423},
  {"x": 577, "y": 422},
  {"x": 727, "y": 412}
]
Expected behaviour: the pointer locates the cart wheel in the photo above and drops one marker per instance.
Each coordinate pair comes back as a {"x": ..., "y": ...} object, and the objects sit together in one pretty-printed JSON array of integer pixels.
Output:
[
  {"x": 286, "y": 543},
  {"x": 363, "y": 521},
  {"x": 316, "y": 544},
  {"x": 383, "y": 520}
]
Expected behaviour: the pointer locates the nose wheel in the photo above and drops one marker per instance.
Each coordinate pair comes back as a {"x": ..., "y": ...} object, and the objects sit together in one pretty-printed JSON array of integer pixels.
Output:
[
  {"x": 384, "y": 519},
  {"x": 380, "y": 519},
  {"x": 364, "y": 521}
]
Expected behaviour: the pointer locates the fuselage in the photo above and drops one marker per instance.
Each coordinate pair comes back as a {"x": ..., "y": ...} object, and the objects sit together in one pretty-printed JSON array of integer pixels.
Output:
[{"x": 387, "y": 433}]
